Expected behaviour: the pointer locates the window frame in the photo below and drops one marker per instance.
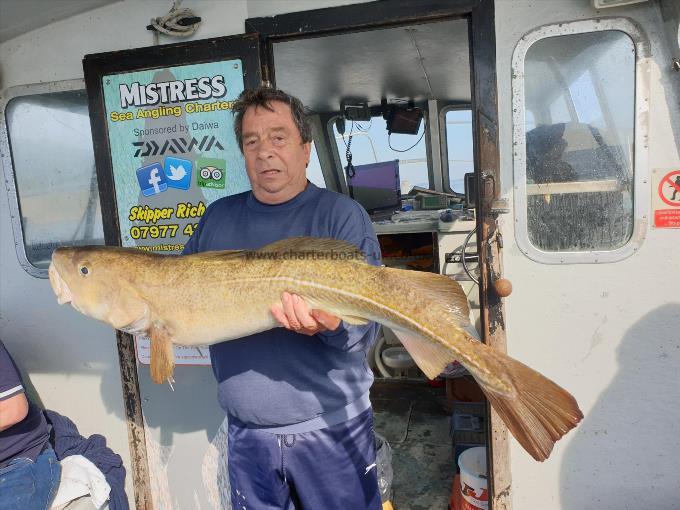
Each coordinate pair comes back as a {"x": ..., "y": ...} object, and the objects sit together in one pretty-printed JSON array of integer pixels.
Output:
[
  {"x": 640, "y": 149},
  {"x": 6, "y": 96}
]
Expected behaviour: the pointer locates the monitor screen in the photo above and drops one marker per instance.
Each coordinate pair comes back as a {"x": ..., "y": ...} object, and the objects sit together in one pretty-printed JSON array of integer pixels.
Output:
[
  {"x": 376, "y": 187},
  {"x": 404, "y": 121}
]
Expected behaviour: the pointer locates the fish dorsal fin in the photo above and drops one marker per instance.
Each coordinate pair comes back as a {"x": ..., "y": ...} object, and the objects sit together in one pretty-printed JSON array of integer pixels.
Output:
[
  {"x": 221, "y": 254},
  {"x": 447, "y": 292},
  {"x": 342, "y": 249}
]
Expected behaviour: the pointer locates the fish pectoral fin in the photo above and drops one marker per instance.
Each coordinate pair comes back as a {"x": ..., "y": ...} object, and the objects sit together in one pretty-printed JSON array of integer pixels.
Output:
[
  {"x": 430, "y": 357},
  {"x": 130, "y": 313},
  {"x": 537, "y": 412},
  {"x": 162, "y": 354},
  {"x": 138, "y": 326}
]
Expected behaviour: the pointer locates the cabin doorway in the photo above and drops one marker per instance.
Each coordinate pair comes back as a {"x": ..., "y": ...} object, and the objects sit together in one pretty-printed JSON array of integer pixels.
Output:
[{"x": 356, "y": 78}]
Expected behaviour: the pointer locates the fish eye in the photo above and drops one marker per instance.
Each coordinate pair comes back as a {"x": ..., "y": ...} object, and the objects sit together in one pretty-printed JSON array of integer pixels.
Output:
[{"x": 84, "y": 270}]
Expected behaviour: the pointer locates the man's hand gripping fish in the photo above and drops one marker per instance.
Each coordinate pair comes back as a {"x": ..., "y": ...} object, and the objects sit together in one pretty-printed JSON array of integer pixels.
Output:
[{"x": 228, "y": 295}]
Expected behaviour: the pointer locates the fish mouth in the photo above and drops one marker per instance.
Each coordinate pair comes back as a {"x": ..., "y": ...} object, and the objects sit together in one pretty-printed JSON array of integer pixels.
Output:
[{"x": 59, "y": 286}]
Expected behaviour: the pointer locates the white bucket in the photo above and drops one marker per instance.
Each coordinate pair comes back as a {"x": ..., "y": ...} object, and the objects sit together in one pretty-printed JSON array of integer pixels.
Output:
[{"x": 473, "y": 487}]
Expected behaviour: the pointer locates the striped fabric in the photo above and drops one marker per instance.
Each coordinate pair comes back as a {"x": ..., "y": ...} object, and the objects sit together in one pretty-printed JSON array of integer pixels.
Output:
[{"x": 4, "y": 395}]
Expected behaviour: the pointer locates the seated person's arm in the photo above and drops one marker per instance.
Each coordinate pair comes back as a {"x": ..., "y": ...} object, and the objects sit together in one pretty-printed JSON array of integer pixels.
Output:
[
  {"x": 13, "y": 401},
  {"x": 13, "y": 410}
]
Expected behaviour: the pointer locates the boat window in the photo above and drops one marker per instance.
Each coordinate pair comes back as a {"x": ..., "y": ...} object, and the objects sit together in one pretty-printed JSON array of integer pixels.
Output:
[
  {"x": 314, "y": 173},
  {"x": 458, "y": 125},
  {"x": 577, "y": 127},
  {"x": 55, "y": 178}
]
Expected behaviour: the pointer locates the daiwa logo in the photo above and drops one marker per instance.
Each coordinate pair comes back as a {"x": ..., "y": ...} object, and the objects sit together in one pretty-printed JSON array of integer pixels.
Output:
[{"x": 176, "y": 146}]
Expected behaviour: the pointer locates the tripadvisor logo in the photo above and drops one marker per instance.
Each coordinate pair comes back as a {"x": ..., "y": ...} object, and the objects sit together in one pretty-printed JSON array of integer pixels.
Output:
[{"x": 210, "y": 172}]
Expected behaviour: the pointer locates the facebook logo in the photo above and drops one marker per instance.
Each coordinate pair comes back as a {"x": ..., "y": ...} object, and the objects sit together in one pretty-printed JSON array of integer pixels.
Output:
[
  {"x": 152, "y": 179},
  {"x": 178, "y": 172}
]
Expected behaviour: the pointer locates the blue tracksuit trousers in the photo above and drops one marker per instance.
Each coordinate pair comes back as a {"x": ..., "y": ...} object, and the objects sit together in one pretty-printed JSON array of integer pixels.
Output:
[{"x": 328, "y": 469}]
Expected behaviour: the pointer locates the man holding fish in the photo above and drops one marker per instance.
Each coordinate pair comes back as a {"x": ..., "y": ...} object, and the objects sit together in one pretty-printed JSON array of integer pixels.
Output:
[{"x": 300, "y": 422}]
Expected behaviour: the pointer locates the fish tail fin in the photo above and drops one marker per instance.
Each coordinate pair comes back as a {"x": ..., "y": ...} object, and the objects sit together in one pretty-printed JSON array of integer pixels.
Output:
[
  {"x": 537, "y": 412},
  {"x": 162, "y": 355}
]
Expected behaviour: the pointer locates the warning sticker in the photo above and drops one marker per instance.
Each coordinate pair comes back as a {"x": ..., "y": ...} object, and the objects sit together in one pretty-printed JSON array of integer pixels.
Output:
[
  {"x": 666, "y": 198},
  {"x": 197, "y": 355}
]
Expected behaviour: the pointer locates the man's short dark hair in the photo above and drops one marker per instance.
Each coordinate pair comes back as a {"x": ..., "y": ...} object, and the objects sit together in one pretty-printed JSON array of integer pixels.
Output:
[{"x": 263, "y": 96}]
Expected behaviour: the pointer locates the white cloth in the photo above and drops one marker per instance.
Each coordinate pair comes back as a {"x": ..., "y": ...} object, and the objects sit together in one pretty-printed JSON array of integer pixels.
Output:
[{"x": 80, "y": 477}]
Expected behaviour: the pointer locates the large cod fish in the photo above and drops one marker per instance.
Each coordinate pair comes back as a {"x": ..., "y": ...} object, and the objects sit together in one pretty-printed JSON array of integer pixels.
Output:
[{"x": 229, "y": 294}]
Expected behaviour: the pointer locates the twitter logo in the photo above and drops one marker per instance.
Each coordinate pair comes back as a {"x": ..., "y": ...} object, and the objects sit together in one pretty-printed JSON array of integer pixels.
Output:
[{"x": 178, "y": 173}]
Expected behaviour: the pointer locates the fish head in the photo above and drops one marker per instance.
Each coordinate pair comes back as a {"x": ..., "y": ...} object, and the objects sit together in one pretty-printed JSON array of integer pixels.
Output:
[{"x": 95, "y": 281}]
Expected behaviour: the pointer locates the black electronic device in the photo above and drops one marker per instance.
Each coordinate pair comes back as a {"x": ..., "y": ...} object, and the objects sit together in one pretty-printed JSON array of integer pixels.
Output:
[
  {"x": 404, "y": 121},
  {"x": 340, "y": 125},
  {"x": 355, "y": 110},
  {"x": 376, "y": 186},
  {"x": 470, "y": 189}
]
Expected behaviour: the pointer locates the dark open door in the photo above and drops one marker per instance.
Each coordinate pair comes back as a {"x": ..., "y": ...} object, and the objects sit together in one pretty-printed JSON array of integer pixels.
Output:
[
  {"x": 373, "y": 15},
  {"x": 489, "y": 240},
  {"x": 153, "y": 109}
]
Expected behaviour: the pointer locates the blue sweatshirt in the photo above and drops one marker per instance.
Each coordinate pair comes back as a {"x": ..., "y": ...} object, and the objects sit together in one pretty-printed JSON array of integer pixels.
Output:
[{"x": 280, "y": 380}]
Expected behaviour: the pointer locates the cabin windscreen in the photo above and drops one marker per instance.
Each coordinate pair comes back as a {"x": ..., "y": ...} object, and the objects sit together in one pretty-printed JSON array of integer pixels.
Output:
[
  {"x": 56, "y": 181},
  {"x": 371, "y": 143},
  {"x": 579, "y": 131}
]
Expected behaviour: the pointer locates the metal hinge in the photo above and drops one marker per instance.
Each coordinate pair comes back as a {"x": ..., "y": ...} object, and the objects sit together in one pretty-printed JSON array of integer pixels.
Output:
[{"x": 500, "y": 206}]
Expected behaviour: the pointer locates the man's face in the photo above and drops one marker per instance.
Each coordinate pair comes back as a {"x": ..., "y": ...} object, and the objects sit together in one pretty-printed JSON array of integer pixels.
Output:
[{"x": 276, "y": 158}]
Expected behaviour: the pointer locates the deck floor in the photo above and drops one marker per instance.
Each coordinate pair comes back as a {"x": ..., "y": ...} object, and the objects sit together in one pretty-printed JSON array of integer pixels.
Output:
[{"x": 412, "y": 417}]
